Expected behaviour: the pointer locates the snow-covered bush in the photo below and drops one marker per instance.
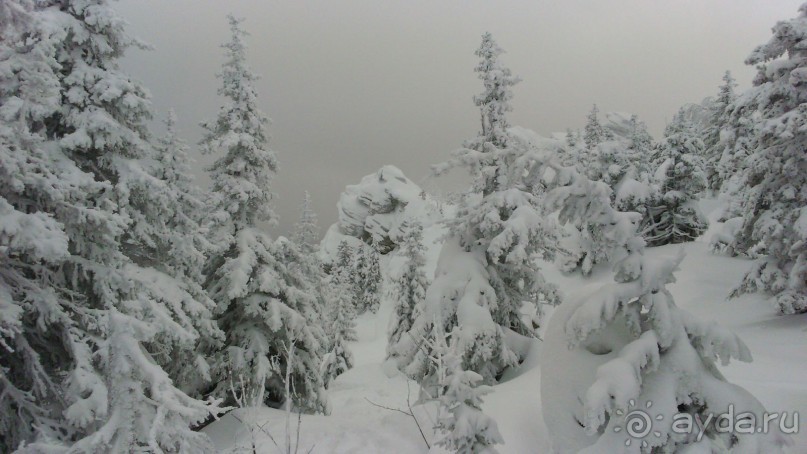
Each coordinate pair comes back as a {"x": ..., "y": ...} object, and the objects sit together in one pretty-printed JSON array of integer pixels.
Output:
[
  {"x": 634, "y": 349},
  {"x": 461, "y": 425}
]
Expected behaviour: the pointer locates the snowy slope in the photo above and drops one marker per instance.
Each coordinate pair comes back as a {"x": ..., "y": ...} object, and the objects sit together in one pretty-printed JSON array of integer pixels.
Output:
[{"x": 776, "y": 376}]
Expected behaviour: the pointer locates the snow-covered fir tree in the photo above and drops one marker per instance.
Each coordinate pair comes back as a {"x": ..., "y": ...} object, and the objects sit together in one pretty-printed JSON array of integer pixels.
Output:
[
  {"x": 712, "y": 145},
  {"x": 622, "y": 163},
  {"x": 262, "y": 305},
  {"x": 183, "y": 257},
  {"x": 340, "y": 315},
  {"x": 409, "y": 288},
  {"x": 775, "y": 170},
  {"x": 674, "y": 217},
  {"x": 631, "y": 345},
  {"x": 344, "y": 298},
  {"x": 738, "y": 139},
  {"x": 634, "y": 190},
  {"x": 342, "y": 319},
  {"x": 366, "y": 274},
  {"x": 96, "y": 307},
  {"x": 594, "y": 132},
  {"x": 306, "y": 231},
  {"x": 306, "y": 234},
  {"x": 494, "y": 102},
  {"x": 40, "y": 189},
  {"x": 486, "y": 279},
  {"x": 641, "y": 144},
  {"x": 572, "y": 138},
  {"x": 461, "y": 424}
]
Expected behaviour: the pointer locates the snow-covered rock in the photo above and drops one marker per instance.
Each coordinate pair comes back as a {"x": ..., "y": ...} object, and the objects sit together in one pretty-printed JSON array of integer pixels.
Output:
[
  {"x": 377, "y": 209},
  {"x": 619, "y": 123}
]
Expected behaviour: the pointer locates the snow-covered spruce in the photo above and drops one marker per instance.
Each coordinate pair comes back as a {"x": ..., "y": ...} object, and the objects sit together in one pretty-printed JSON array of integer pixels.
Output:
[
  {"x": 738, "y": 139},
  {"x": 366, "y": 275},
  {"x": 85, "y": 211},
  {"x": 306, "y": 231},
  {"x": 305, "y": 236},
  {"x": 622, "y": 163},
  {"x": 674, "y": 216},
  {"x": 774, "y": 207},
  {"x": 340, "y": 315},
  {"x": 634, "y": 349},
  {"x": 344, "y": 296},
  {"x": 461, "y": 425},
  {"x": 494, "y": 102},
  {"x": 184, "y": 258},
  {"x": 486, "y": 279},
  {"x": 409, "y": 288},
  {"x": 594, "y": 133},
  {"x": 712, "y": 144},
  {"x": 262, "y": 305}
]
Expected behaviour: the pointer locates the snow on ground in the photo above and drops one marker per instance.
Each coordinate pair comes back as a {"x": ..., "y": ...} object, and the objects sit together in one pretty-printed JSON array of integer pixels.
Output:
[{"x": 777, "y": 376}]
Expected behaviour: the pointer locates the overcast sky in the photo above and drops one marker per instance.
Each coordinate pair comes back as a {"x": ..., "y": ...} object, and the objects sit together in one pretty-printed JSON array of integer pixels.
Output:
[{"x": 353, "y": 85}]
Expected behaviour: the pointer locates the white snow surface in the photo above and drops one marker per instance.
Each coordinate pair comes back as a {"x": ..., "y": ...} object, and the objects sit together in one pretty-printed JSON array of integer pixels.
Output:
[{"x": 776, "y": 376}]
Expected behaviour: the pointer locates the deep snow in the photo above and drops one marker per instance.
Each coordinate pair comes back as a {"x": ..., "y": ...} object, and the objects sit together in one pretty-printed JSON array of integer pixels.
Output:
[{"x": 777, "y": 376}]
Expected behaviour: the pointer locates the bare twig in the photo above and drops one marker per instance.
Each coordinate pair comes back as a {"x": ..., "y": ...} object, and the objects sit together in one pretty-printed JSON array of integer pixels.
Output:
[
  {"x": 261, "y": 428},
  {"x": 409, "y": 413},
  {"x": 299, "y": 422},
  {"x": 388, "y": 408},
  {"x": 412, "y": 412}
]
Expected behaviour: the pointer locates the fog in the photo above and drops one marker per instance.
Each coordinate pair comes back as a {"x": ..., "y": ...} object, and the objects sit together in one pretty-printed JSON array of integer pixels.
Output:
[{"x": 353, "y": 85}]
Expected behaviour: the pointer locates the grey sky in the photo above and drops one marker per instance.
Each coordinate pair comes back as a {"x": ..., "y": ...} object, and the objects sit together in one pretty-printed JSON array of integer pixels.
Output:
[{"x": 353, "y": 85}]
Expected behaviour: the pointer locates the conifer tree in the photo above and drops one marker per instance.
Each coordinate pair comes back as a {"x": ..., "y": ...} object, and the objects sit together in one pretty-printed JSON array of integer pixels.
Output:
[
  {"x": 486, "y": 277},
  {"x": 409, "y": 289},
  {"x": 774, "y": 172},
  {"x": 494, "y": 102},
  {"x": 262, "y": 305},
  {"x": 623, "y": 343},
  {"x": 306, "y": 230},
  {"x": 306, "y": 234},
  {"x": 97, "y": 304},
  {"x": 38, "y": 189},
  {"x": 461, "y": 424},
  {"x": 675, "y": 216},
  {"x": 339, "y": 358},
  {"x": 594, "y": 132},
  {"x": 641, "y": 145},
  {"x": 184, "y": 256},
  {"x": 633, "y": 348},
  {"x": 340, "y": 315},
  {"x": 366, "y": 274},
  {"x": 718, "y": 118}
]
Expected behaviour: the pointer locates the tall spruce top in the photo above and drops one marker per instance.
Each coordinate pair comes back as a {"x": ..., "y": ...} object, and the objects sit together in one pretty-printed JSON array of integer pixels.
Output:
[{"x": 241, "y": 177}]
